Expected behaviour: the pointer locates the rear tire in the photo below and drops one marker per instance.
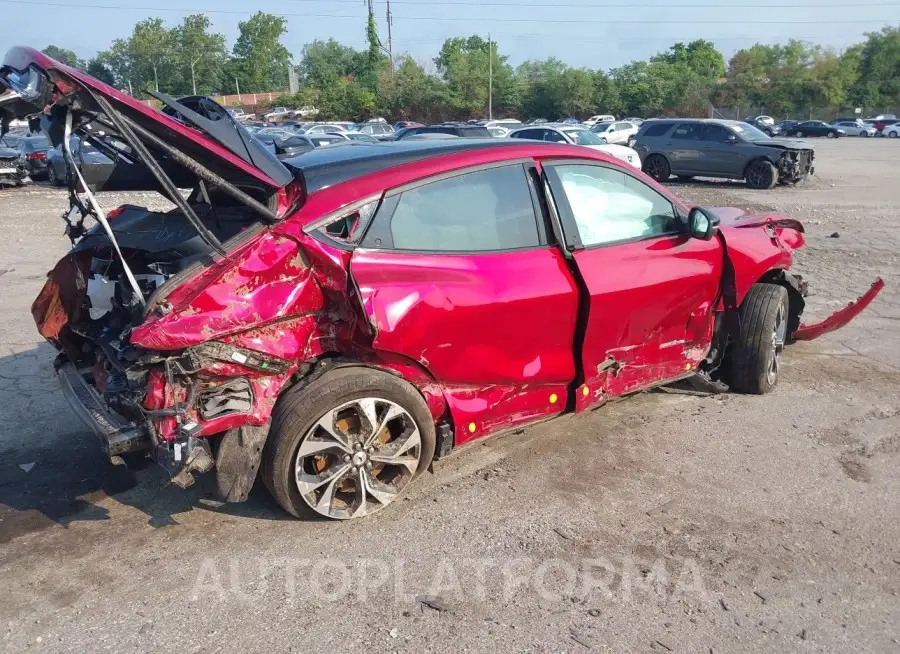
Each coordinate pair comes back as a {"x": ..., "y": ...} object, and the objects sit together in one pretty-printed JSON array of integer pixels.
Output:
[
  {"x": 756, "y": 357},
  {"x": 657, "y": 167},
  {"x": 51, "y": 176},
  {"x": 295, "y": 422},
  {"x": 799, "y": 135},
  {"x": 892, "y": 135},
  {"x": 761, "y": 174}
]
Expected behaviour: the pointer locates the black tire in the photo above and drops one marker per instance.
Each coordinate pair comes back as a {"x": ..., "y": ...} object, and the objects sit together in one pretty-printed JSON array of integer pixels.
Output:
[
  {"x": 685, "y": 178},
  {"x": 799, "y": 135},
  {"x": 892, "y": 135},
  {"x": 864, "y": 134},
  {"x": 657, "y": 166},
  {"x": 761, "y": 174},
  {"x": 764, "y": 309},
  {"x": 831, "y": 135},
  {"x": 299, "y": 408},
  {"x": 51, "y": 176}
]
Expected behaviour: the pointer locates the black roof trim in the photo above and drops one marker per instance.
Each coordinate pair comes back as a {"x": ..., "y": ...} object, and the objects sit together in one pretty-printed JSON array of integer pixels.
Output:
[{"x": 327, "y": 166}]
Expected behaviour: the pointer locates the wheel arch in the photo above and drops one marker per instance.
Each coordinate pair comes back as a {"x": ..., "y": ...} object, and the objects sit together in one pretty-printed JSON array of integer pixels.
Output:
[
  {"x": 762, "y": 157},
  {"x": 796, "y": 301}
]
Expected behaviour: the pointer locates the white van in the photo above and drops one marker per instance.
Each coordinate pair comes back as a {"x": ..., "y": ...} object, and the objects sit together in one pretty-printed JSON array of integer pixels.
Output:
[{"x": 602, "y": 118}]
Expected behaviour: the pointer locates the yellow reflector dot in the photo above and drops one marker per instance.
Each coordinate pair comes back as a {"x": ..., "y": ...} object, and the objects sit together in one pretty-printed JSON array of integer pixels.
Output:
[
  {"x": 585, "y": 391},
  {"x": 688, "y": 366},
  {"x": 471, "y": 426},
  {"x": 553, "y": 398}
]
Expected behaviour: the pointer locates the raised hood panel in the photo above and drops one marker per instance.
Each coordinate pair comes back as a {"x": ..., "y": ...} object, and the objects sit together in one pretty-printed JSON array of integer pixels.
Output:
[{"x": 31, "y": 82}]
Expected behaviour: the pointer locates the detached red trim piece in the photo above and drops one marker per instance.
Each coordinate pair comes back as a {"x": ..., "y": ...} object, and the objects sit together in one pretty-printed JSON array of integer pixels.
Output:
[{"x": 840, "y": 318}]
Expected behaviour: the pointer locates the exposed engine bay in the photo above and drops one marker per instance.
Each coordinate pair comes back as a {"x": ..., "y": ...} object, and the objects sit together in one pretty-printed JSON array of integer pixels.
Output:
[{"x": 793, "y": 165}]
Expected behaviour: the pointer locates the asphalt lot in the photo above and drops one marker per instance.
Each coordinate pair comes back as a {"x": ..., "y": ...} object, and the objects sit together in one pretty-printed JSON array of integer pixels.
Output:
[{"x": 666, "y": 522}]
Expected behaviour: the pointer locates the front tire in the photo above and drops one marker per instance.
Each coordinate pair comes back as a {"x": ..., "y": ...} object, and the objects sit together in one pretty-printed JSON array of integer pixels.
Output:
[
  {"x": 799, "y": 135},
  {"x": 831, "y": 135},
  {"x": 892, "y": 135},
  {"x": 52, "y": 178},
  {"x": 756, "y": 359},
  {"x": 761, "y": 175},
  {"x": 657, "y": 167},
  {"x": 347, "y": 445}
]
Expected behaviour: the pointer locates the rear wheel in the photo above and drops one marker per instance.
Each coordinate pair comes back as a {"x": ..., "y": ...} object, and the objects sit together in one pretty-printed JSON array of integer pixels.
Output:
[
  {"x": 756, "y": 359},
  {"x": 865, "y": 134},
  {"x": 761, "y": 174},
  {"x": 892, "y": 134},
  {"x": 347, "y": 445},
  {"x": 51, "y": 176},
  {"x": 657, "y": 167},
  {"x": 799, "y": 135}
]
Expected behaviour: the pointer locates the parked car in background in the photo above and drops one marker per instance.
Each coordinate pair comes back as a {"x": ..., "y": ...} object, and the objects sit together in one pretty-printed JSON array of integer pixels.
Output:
[
  {"x": 853, "y": 128},
  {"x": 891, "y": 129},
  {"x": 402, "y": 124},
  {"x": 508, "y": 124},
  {"x": 536, "y": 121},
  {"x": 460, "y": 130},
  {"x": 35, "y": 149},
  {"x": 291, "y": 145},
  {"x": 13, "y": 171},
  {"x": 634, "y": 121},
  {"x": 279, "y": 112},
  {"x": 599, "y": 118},
  {"x": 241, "y": 116},
  {"x": 374, "y": 129},
  {"x": 324, "y": 128},
  {"x": 728, "y": 149},
  {"x": 814, "y": 128},
  {"x": 577, "y": 135},
  {"x": 499, "y": 132},
  {"x": 360, "y": 138},
  {"x": 94, "y": 165},
  {"x": 765, "y": 124},
  {"x": 618, "y": 132},
  {"x": 785, "y": 125}
]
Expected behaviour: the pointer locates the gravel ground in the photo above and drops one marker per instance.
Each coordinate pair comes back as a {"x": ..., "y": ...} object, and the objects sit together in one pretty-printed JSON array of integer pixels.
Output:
[{"x": 667, "y": 522}]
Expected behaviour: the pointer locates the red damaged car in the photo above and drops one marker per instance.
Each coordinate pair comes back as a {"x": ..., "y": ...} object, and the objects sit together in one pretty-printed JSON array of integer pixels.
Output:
[{"x": 334, "y": 322}]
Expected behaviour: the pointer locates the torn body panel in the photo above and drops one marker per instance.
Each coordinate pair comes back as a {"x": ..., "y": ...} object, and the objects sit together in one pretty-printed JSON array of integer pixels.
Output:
[{"x": 841, "y": 317}]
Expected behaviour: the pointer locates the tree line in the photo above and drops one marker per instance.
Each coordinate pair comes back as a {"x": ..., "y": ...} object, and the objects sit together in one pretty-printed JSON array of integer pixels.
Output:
[{"x": 795, "y": 79}]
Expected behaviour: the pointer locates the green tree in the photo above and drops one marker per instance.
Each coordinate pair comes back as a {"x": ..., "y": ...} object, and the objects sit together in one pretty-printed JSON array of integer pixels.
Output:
[
  {"x": 201, "y": 56},
  {"x": 64, "y": 56},
  {"x": 97, "y": 69},
  {"x": 878, "y": 84},
  {"x": 699, "y": 55},
  {"x": 260, "y": 61},
  {"x": 151, "y": 49}
]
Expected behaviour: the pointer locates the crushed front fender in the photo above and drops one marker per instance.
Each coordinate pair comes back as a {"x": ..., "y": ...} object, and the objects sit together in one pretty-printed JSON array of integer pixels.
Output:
[{"x": 840, "y": 318}]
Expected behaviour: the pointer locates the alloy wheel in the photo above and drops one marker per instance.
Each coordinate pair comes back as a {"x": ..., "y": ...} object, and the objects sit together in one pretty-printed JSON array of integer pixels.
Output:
[
  {"x": 800, "y": 135},
  {"x": 358, "y": 458},
  {"x": 779, "y": 334}
]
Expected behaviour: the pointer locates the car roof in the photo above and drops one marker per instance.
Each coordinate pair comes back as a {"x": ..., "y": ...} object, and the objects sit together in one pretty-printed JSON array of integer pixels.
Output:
[{"x": 325, "y": 167}]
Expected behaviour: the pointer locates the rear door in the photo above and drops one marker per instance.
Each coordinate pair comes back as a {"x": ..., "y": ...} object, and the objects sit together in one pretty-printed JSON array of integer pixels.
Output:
[
  {"x": 721, "y": 155},
  {"x": 652, "y": 289},
  {"x": 684, "y": 150},
  {"x": 457, "y": 275}
]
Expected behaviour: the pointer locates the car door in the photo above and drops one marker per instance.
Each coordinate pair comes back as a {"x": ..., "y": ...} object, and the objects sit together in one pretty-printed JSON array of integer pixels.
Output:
[
  {"x": 651, "y": 289},
  {"x": 456, "y": 275},
  {"x": 684, "y": 150},
  {"x": 724, "y": 152}
]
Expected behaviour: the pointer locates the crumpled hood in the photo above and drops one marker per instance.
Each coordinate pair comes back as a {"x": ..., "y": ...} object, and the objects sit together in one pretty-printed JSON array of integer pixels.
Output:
[
  {"x": 788, "y": 231},
  {"x": 784, "y": 143}
]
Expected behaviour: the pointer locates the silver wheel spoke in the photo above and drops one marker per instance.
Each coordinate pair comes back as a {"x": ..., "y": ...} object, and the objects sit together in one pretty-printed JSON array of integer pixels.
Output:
[
  {"x": 393, "y": 411},
  {"x": 324, "y": 503},
  {"x": 381, "y": 492},
  {"x": 314, "y": 443},
  {"x": 307, "y": 483},
  {"x": 360, "y": 493},
  {"x": 393, "y": 453},
  {"x": 369, "y": 411}
]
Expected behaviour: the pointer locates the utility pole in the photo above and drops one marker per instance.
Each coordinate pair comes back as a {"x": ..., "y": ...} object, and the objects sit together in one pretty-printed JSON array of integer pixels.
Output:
[
  {"x": 238, "y": 89},
  {"x": 490, "y": 78},
  {"x": 390, "y": 21}
]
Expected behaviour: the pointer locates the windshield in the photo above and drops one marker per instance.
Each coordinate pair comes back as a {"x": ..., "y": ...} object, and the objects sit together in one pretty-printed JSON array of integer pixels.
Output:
[
  {"x": 749, "y": 132},
  {"x": 583, "y": 137}
]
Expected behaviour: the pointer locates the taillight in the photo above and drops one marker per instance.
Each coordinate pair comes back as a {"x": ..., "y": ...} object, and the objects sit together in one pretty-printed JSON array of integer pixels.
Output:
[
  {"x": 112, "y": 213},
  {"x": 37, "y": 156}
]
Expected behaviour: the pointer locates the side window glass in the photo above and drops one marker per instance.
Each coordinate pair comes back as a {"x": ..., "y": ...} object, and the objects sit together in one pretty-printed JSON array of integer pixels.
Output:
[
  {"x": 555, "y": 137},
  {"x": 479, "y": 211},
  {"x": 716, "y": 133},
  {"x": 611, "y": 206},
  {"x": 688, "y": 132}
]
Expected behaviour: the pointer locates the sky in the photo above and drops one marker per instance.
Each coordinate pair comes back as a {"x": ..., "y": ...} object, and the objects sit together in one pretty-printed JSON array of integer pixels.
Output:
[{"x": 598, "y": 34}]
